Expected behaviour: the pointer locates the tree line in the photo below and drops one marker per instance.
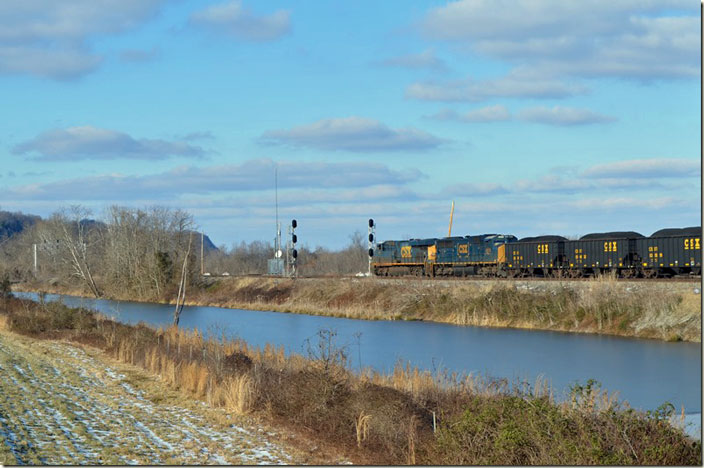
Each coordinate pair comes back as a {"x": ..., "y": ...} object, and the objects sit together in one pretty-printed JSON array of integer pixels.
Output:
[{"x": 147, "y": 252}]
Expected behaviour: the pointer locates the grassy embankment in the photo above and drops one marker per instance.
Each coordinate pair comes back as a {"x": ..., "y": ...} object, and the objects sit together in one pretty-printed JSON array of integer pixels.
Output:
[
  {"x": 67, "y": 404},
  {"x": 660, "y": 310},
  {"x": 408, "y": 417}
]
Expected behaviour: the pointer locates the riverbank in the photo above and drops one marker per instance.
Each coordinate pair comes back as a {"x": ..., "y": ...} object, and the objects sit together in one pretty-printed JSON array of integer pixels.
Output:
[
  {"x": 65, "y": 403},
  {"x": 659, "y": 310},
  {"x": 407, "y": 417}
]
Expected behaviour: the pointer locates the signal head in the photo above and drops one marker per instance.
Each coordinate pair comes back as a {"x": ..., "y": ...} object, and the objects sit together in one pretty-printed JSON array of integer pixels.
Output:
[
  {"x": 294, "y": 224},
  {"x": 371, "y": 222}
]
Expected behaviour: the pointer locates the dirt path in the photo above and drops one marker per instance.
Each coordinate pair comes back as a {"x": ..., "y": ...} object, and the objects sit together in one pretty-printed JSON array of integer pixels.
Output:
[{"x": 63, "y": 404}]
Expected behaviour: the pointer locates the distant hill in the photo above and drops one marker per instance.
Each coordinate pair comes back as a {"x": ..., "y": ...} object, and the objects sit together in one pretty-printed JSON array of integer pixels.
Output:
[
  {"x": 12, "y": 224},
  {"x": 208, "y": 245}
]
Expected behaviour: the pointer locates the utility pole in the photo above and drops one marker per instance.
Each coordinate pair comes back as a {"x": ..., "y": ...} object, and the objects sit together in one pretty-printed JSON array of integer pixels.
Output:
[
  {"x": 35, "y": 258},
  {"x": 202, "y": 267},
  {"x": 277, "y": 242}
]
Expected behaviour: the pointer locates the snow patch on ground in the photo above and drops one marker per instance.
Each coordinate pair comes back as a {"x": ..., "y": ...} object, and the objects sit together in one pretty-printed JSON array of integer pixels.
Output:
[{"x": 59, "y": 405}]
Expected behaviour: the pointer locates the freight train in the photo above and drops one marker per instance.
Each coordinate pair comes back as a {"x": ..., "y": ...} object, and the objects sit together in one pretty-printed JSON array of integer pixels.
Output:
[{"x": 666, "y": 253}]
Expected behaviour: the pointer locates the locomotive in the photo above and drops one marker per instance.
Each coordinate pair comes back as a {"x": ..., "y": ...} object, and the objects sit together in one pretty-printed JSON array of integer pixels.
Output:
[{"x": 666, "y": 253}]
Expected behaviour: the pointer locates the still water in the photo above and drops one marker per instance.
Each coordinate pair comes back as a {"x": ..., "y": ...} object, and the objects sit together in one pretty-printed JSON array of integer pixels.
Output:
[{"x": 646, "y": 373}]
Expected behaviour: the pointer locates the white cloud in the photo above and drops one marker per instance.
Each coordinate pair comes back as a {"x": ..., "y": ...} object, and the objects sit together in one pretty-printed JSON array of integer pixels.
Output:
[
  {"x": 645, "y": 169},
  {"x": 75, "y": 143},
  {"x": 562, "y": 116},
  {"x": 495, "y": 113},
  {"x": 60, "y": 64},
  {"x": 233, "y": 19},
  {"x": 353, "y": 134},
  {"x": 626, "y": 38},
  {"x": 425, "y": 59},
  {"x": 50, "y": 39},
  {"x": 516, "y": 84}
]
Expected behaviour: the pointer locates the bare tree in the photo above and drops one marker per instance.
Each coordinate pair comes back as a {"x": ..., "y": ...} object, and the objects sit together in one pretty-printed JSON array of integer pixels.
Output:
[
  {"x": 71, "y": 234},
  {"x": 181, "y": 297},
  {"x": 142, "y": 247}
]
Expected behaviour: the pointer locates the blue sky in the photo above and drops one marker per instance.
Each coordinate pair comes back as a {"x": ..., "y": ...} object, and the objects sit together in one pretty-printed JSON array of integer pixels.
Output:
[{"x": 535, "y": 117}]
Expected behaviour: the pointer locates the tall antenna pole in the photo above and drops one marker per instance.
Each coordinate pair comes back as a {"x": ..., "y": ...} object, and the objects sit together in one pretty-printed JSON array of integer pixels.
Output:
[
  {"x": 277, "y": 247},
  {"x": 202, "y": 236}
]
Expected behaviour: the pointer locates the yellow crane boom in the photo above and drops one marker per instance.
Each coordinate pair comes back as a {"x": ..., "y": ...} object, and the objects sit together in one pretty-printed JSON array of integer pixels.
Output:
[{"x": 452, "y": 211}]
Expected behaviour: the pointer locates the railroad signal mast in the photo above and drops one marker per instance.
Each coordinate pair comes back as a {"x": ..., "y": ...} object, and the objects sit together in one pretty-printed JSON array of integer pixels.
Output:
[
  {"x": 370, "y": 244},
  {"x": 291, "y": 252}
]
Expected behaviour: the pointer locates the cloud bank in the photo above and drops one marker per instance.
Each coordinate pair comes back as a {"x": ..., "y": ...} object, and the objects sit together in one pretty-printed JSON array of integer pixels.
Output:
[
  {"x": 252, "y": 175},
  {"x": 516, "y": 84},
  {"x": 632, "y": 39},
  {"x": 76, "y": 143},
  {"x": 565, "y": 116},
  {"x": 353, "y": 134}
]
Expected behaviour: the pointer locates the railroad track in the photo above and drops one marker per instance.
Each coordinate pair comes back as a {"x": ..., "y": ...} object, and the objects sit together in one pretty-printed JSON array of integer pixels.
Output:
[{"x": 678, "y": 279}]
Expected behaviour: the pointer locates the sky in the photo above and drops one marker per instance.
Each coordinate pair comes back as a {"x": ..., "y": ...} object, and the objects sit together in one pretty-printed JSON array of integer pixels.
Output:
[{"x": 534, "y": 117}]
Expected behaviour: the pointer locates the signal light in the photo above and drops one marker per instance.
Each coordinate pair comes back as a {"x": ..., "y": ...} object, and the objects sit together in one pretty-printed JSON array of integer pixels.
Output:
[
  {"x": 371, "y": 237},
  {"x": 294, "y": 238},
  {"x": 294, "y": 224},
  {"x": 371, "y": 222},
  {"x": 371, "y": 252},
  {"x": 294, "y": 253}
]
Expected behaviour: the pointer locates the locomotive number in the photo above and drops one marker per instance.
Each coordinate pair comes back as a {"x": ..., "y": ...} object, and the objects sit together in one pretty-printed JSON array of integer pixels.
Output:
[
  {"x": 610, "y": 246},
  {"x": 462, "y": 248},
  {"x": 692, "y": 244},
  {"x": 543, "y": 248},
  {"x": 406, "y": 251}
]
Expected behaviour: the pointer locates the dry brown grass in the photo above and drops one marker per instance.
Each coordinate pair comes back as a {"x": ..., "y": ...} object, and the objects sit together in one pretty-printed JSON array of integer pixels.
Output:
[{"x": 240, "y": 394}]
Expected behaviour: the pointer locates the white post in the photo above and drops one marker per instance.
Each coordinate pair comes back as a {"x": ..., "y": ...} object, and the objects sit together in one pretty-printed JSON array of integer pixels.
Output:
[
  {"x": 35, "y": 257},
  {"x": 288, "y": 251}
]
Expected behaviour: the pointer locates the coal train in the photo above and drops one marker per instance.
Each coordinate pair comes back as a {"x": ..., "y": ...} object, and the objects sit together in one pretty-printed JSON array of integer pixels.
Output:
[{"x": 666, "y": 253}]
